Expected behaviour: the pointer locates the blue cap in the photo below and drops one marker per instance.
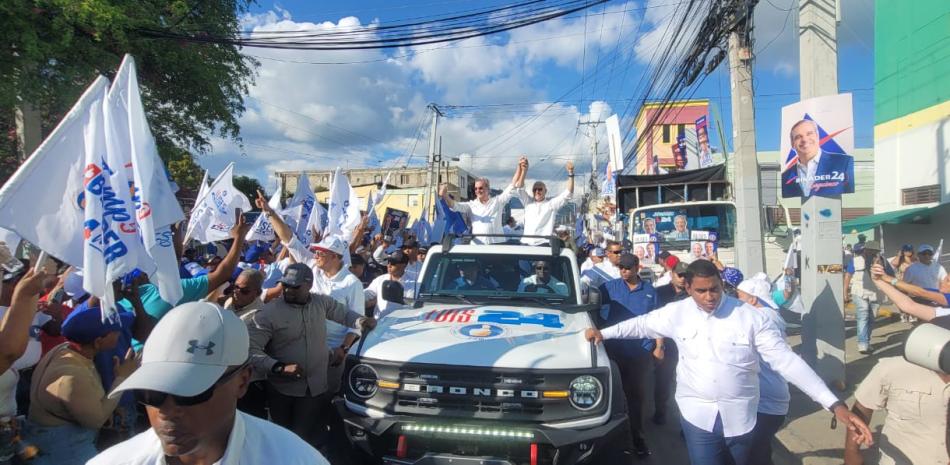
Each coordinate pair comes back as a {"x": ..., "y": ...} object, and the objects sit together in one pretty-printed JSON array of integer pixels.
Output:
[
  {"x": 84, "y": 325},
  {"x": 907, "y": 248},
  {"x": 925, "y": 248},
  {"x": 732, "y": 276},
  {"x": 129, "y": 277},
  {"x": 255, "y": 252}
]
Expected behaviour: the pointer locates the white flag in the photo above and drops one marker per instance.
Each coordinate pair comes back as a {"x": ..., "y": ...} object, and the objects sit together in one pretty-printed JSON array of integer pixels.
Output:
[
  {"x": 305, "y": 199},
  {"x": 373, "y": 224},
  {"x": 220, "y": 202},
  {"x": 344, "y": 208},
  {"x": 318, "y": 219},
  {"x": 10, "y": 238},
  {"x": 52, "y": 218},
  {"x": 263, "y": 230},
  {"x": 156, "y": 206},
  {"x": 199, "y": 215},
  {"x": 614, "y": 140}
]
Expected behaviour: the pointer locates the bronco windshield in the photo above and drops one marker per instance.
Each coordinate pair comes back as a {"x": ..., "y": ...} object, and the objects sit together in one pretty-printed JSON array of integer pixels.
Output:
[{"x": 480, "y": 277}]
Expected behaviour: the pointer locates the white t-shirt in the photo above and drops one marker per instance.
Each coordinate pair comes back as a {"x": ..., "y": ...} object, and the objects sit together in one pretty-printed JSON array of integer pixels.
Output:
[
  {"x": 8, "y": 381},
  {"x": 926, "y": 276},
  {"x": 252, "y": 442},
  {"x": 486, "y": 217},
  {"x": 346, "y": 289},
  {"x": 539, "y": 216},
  {"x": 375, "y": 291},
  {"x": 600, "y": 274}
]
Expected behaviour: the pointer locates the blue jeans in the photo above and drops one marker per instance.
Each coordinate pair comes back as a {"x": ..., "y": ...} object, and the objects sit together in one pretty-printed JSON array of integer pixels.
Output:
[
  {"x": 712, "y": 448},
  {"x": 865, "y": 311},
  {"x": 766, "y": 426},
  {"x": 62, "y": 445}
]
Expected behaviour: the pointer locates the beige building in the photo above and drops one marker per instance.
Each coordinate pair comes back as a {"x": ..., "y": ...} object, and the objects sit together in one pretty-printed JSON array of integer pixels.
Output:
[{"x": 460, "y": 181}]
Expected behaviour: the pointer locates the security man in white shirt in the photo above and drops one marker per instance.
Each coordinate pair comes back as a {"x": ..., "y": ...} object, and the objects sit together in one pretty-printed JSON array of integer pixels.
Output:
[
  {"x": 607, "y": 269},
  {"x": 485, "y": 211},
  {"x": 539, "y": 211},
  {"x": 194, "y": 369},
  {"x": 721, "y": 340}
]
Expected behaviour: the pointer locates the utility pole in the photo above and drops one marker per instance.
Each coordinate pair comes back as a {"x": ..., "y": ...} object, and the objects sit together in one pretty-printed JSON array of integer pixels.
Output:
[
  {"x": 594, "y": 185},
  {"x": 431, "y": 189},
  {"x": 750, "y": 257},
  {"x": 823, "y": 334}
]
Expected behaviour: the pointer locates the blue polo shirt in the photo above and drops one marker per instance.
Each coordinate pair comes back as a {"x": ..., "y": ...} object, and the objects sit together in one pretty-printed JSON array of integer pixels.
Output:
[{"x": 622, "y": 303}]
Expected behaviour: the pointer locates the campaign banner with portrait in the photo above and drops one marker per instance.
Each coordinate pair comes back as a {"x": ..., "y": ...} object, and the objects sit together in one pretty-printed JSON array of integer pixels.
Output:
[
  {"x": 702, "y": 142},
  {"x": 646, "y": 247},
  {"x": 817, "y": 140},
  {"x": 672, "y": 224},
  {"x": 394, "y": 221},
  {"x": 703, "y": 244}
]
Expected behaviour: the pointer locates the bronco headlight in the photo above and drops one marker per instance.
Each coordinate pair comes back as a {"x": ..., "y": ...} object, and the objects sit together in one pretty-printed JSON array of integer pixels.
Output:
[
  {"x": 363, "y": 380},
  {"x": 586, "y": 392}
]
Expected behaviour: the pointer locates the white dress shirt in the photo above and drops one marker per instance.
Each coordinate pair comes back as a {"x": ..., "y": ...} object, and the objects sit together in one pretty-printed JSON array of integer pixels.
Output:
[
  {"x": 773, "y": 389},
  {"x": 486, "y": 217},
  {"x": 539, "y": 216},
  {"x": 600, "y": 273},
  {"x": 252, "y": 441},
  {"x": 375, "y": 291},
  {"x": 806, "y": 173},
  {"x": 717, "y": 374}
]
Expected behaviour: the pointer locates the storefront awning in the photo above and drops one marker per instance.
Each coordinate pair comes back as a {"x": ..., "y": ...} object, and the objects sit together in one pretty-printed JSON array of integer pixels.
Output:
[{"x": 865, "y": 223}]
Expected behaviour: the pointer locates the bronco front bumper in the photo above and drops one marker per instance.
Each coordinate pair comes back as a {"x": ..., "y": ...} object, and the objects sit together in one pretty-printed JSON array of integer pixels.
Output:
[{"x": 416, "y": 440}]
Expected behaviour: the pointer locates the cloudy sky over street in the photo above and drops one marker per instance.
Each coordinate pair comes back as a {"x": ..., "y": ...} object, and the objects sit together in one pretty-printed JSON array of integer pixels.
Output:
[{"x": 523, "y": 91}]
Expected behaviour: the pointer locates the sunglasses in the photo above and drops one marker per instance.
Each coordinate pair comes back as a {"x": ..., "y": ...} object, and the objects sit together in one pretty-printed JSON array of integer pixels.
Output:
[
  {"x": 541, "y": 268},
  {"x": 615, "y": 252},
  {"x": 156, "y": 398},
  {"x": 287, "y": 286},
  {"x": 625, "y": 267},
  {"x": 243, "y": 290},
  {"x": 539, "y": 189}
]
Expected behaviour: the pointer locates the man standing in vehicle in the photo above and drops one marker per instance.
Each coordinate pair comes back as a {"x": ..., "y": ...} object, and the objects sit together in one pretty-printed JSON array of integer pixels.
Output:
[
  {"x": 539, "y": 211},
  {"x": 485, "y": 211}
]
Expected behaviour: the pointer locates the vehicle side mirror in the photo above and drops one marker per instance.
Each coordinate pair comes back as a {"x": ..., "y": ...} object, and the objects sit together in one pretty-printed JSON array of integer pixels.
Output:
[{"x": 593, "y": 297}]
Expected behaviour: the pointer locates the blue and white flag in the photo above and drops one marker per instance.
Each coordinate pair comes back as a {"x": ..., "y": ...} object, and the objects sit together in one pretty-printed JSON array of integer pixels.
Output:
[
  {"x": 52, "y": 219},
  {"x": 373, "y": 225},
  {"x": 263, "y": 230},
  {"x": 218, "y": 206},
  {"x": 344, "y": 208},
  {"x": 305, "y": 199},
  {"x": 421, "y": 228},
  {"x": 199, "y": 216},
  {"x": 150, "y": 188},
  {"x": 579, "y": 236}
]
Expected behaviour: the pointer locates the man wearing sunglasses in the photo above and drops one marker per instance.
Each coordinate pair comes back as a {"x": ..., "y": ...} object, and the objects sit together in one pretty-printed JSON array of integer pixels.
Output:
[
  {"x": 542, "y": 281},
  {"x": 289, "y": 340},
  {"x": 245, "y": 296},
  {"x": 485, "y": 211},
  {"x": 539, "y": 210},
  {"x": 606, "y": 270},
  {"x": 194, "y": 369}
]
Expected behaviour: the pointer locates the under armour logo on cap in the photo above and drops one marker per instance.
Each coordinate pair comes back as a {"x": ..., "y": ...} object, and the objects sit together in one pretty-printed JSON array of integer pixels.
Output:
[{"x": 193, "y": 346}]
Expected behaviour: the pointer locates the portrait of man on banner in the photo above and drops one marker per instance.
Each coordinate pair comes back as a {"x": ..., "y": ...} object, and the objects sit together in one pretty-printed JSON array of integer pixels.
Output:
[{"x": 816, "y": 160}]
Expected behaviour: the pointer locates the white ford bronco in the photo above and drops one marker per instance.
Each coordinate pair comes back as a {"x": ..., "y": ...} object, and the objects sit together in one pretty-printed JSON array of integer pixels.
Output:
[{"x": 488, "y": 366}]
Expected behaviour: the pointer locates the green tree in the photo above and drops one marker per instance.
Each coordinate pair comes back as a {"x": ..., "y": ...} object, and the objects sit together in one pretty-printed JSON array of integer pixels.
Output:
[
  {"x": 55, "y": 48},
  {"x": 249, "y": 186}
]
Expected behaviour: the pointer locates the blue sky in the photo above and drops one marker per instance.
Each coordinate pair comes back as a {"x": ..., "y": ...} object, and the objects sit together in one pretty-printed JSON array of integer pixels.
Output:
[{"x": 305, "y": 115}]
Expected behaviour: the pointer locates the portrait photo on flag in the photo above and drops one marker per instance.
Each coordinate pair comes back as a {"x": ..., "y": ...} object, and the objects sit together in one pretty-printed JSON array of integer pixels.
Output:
[{"x": 817, "y": 141}]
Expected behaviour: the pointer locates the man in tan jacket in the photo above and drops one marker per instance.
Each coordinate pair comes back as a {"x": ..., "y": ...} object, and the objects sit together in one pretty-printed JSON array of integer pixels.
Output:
[{"x": 288, "y": 340}]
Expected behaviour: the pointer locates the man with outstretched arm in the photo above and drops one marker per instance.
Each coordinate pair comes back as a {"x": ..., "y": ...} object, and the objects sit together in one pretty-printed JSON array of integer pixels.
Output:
[
  {"x": 484, "y": 210},
  {"x": 539, "y": 210},
  {"x": 717, "y": 389}
]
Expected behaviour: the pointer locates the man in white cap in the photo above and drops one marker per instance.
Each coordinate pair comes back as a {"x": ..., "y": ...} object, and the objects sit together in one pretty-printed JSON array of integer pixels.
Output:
[
  {"x": 773, "y": 389},
  {"x": 194, "y": 369},
  {"x": 596, "y": 256}
]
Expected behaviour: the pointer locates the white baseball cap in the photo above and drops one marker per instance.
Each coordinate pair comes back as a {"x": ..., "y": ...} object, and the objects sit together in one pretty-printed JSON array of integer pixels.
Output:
[
  {"x": 332, "y": 244},
  {"x": 189, "y": 350},
  {"x": 760, "y": 288}
]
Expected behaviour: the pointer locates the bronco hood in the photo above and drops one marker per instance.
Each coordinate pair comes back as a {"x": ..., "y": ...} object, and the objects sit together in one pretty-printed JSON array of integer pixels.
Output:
[{"x": 483, "y": 335}]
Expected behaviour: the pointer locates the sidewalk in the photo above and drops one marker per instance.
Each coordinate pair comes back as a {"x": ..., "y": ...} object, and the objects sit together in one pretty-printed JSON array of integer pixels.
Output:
[{"x": 807, "y": 438}]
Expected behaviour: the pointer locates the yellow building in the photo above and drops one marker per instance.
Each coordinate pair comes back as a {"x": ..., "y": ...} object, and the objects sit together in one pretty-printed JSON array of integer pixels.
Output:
[
  {"x": 656, "y": 141},
  {"x": 410, "y": 200}
]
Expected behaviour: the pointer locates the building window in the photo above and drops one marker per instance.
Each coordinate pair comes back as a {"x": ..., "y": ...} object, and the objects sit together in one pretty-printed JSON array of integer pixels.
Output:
[
  {"x": 378, "y": 178},
  {"x": 666, "y": 133},
  {"x": 413, "y": 201},
  {"x": 770, "y": 180},
  {"x": 919, "y": 195},
  {"x": 403, "y": 179},
  {"x": 680, "y": 130}
]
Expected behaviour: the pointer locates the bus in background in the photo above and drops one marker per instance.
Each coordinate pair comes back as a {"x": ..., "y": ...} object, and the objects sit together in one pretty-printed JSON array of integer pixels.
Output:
[{"x": 672, "y": 227}]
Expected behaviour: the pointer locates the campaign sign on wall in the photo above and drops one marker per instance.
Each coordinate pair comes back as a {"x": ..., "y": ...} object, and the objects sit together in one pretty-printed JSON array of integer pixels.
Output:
[
  {"x": 816, "y": 147},
  {"x": 703, "y": 244}
]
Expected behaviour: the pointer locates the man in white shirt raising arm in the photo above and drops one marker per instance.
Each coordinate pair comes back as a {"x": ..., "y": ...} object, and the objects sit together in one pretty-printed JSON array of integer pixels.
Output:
[
  {"x": 485, "y": 211},
  {"x": 539, "y": 210},
  {"x": 720, "y": 340}
]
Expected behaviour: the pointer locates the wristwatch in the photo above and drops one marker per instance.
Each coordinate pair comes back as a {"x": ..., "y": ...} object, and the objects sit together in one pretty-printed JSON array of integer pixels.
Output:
[
  {"x": 894, "y": 282},
  {"x": 278, "y": 367}
]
